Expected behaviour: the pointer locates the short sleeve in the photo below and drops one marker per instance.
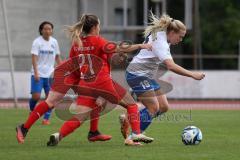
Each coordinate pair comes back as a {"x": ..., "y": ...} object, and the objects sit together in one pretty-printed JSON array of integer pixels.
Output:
[
  {"x": 161, "y": 50},
  {"x": 107, "y": 46},
  {"x": 35, "y": 47},
  {"x": 57, "y": 49}
]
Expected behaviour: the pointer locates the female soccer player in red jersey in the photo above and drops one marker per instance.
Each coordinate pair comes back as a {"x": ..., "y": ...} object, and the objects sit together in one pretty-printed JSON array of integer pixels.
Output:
[{"x": 95, "y": 80}]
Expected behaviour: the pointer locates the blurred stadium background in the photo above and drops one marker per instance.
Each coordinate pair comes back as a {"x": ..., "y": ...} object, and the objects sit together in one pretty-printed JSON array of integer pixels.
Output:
[{"x": 212, "y": 43}]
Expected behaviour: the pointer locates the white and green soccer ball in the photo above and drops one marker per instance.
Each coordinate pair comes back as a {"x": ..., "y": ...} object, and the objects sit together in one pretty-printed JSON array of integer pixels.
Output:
[{"x": 191, "y": 135}]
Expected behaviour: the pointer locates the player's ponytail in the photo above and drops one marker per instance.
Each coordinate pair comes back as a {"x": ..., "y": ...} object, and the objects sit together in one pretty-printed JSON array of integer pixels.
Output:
[
  {"x": 75, "y": 31},
  {"x": 82, "y": 27},
  {"x": 164, "y": 23}
]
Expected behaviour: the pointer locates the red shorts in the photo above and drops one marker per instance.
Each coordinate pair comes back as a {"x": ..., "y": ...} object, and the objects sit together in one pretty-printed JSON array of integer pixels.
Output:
[
  {"x": 103, "y": 87},
  {"x": 86, "y": 101},
  {"x": 91, "y": 103},
  {"x": 64, "y": 77}
]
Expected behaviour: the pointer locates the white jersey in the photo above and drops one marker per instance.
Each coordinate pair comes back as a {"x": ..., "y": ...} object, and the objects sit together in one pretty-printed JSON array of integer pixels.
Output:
[
  {"x": 146, "y": 63},
  {"x": 46, "y": 52}
]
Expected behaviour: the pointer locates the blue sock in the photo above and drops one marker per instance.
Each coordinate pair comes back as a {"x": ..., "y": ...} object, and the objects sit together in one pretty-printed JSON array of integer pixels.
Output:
[
  {"x": 47, "y": 114},
  {"x": 32, "y": 104},
  {"x": 145, "y": 119}
]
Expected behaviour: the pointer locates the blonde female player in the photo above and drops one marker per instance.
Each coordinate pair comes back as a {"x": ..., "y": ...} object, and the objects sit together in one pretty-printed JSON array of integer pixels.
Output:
[
  {"x": 94, "y": 81},
  {"x": 140, "y": 74}
]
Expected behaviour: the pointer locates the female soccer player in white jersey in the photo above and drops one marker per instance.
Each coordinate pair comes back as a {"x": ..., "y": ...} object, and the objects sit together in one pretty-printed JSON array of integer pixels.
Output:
[
  {"x": 45, "y": 51},
  {"x": 161, "y": 33}
]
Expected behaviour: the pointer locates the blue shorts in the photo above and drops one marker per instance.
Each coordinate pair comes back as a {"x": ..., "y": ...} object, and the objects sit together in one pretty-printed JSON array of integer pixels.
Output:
[
  {"x": 43, "y": 83},
  {"x": 141, "y": 84}
]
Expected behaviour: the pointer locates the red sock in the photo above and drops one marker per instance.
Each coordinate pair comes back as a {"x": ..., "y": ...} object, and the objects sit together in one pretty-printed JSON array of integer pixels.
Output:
[
  {"x": 94, "y": 119},
  {"x": 38, "y": 111},
  {"x": 133, "y": 117},
  {"x": 69, "y": 126}
]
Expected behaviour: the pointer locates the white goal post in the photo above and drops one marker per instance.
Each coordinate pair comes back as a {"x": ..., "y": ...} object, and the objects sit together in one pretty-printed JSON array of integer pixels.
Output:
[{"x": 10, "y": 56}]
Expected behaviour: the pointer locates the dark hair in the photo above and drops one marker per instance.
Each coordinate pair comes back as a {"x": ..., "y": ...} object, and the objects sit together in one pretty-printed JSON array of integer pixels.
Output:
[
  {"x": 89, "y": 21},
  {"x": 41, "y": 26}
]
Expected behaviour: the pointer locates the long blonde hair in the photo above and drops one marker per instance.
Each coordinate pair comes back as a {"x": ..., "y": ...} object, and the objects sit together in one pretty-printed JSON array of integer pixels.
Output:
[
  {"x": 164, "y": 23},
  {"x": 82, "y": 27}
]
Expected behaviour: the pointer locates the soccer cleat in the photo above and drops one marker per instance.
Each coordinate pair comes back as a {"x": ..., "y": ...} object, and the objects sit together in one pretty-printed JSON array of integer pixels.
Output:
[
  {"x": 129, "y": 142},
  {"x": 141, "y": 138},
  {"x": 21, "y": 133},
  {"x": 124, "y": 125},
  {"x": 97, "y": 136},
  {"x": 46, "y": 122},
  {"x": 54, "y": 139}
]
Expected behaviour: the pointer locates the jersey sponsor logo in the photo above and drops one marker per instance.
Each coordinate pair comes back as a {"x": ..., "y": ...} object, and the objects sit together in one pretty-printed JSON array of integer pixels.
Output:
[{"x": 45, "y": 52}]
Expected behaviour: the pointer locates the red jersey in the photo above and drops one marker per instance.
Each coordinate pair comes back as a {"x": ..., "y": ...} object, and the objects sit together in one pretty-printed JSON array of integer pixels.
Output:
[
  {"x": 94, "y": 56},
  {"x": 94, "y": 70}
]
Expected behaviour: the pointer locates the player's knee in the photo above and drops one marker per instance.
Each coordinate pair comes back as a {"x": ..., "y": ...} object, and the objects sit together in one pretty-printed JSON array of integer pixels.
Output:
[
  {"x": 36, "y": 96},
  {"x": 164, "y": 108},
  {"x": 50, "y": 103},
  {"x": 54, "y": 98},
  {"x": 153, "y": 109}
]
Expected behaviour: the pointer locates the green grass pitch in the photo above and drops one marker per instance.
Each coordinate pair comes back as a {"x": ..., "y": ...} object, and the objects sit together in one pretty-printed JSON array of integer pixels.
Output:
[{"x": 221, "y": 132}]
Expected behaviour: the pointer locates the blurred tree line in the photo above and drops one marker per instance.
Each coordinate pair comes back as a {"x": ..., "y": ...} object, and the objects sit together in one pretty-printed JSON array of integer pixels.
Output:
[{"x": 220, "y": 31}]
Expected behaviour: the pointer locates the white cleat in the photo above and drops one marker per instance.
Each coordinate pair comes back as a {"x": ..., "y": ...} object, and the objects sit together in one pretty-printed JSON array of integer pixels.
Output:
[
  {"x": 129, "y": 142},
  {"x": 54, "y": 139},
  {"x": 141, "y": 138}
]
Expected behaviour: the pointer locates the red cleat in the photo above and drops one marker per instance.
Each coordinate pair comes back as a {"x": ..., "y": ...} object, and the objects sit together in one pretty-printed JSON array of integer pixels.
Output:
[
  {"x": 97, "y": 136},
  {"x": 21, "y": 134},
  {"x": 45, "y": 122}
]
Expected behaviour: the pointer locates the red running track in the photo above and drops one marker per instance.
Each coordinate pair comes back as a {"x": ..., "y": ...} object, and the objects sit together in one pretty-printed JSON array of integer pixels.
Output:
[{"x": 174, "y": 104}]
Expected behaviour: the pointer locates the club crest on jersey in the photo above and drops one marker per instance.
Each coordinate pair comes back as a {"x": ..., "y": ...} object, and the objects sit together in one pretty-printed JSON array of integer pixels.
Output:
[{"x": 52, "y": 46}]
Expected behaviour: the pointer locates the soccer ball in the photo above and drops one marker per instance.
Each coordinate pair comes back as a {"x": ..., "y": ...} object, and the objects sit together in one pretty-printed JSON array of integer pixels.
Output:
[{"x": 191, "y": 135}]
